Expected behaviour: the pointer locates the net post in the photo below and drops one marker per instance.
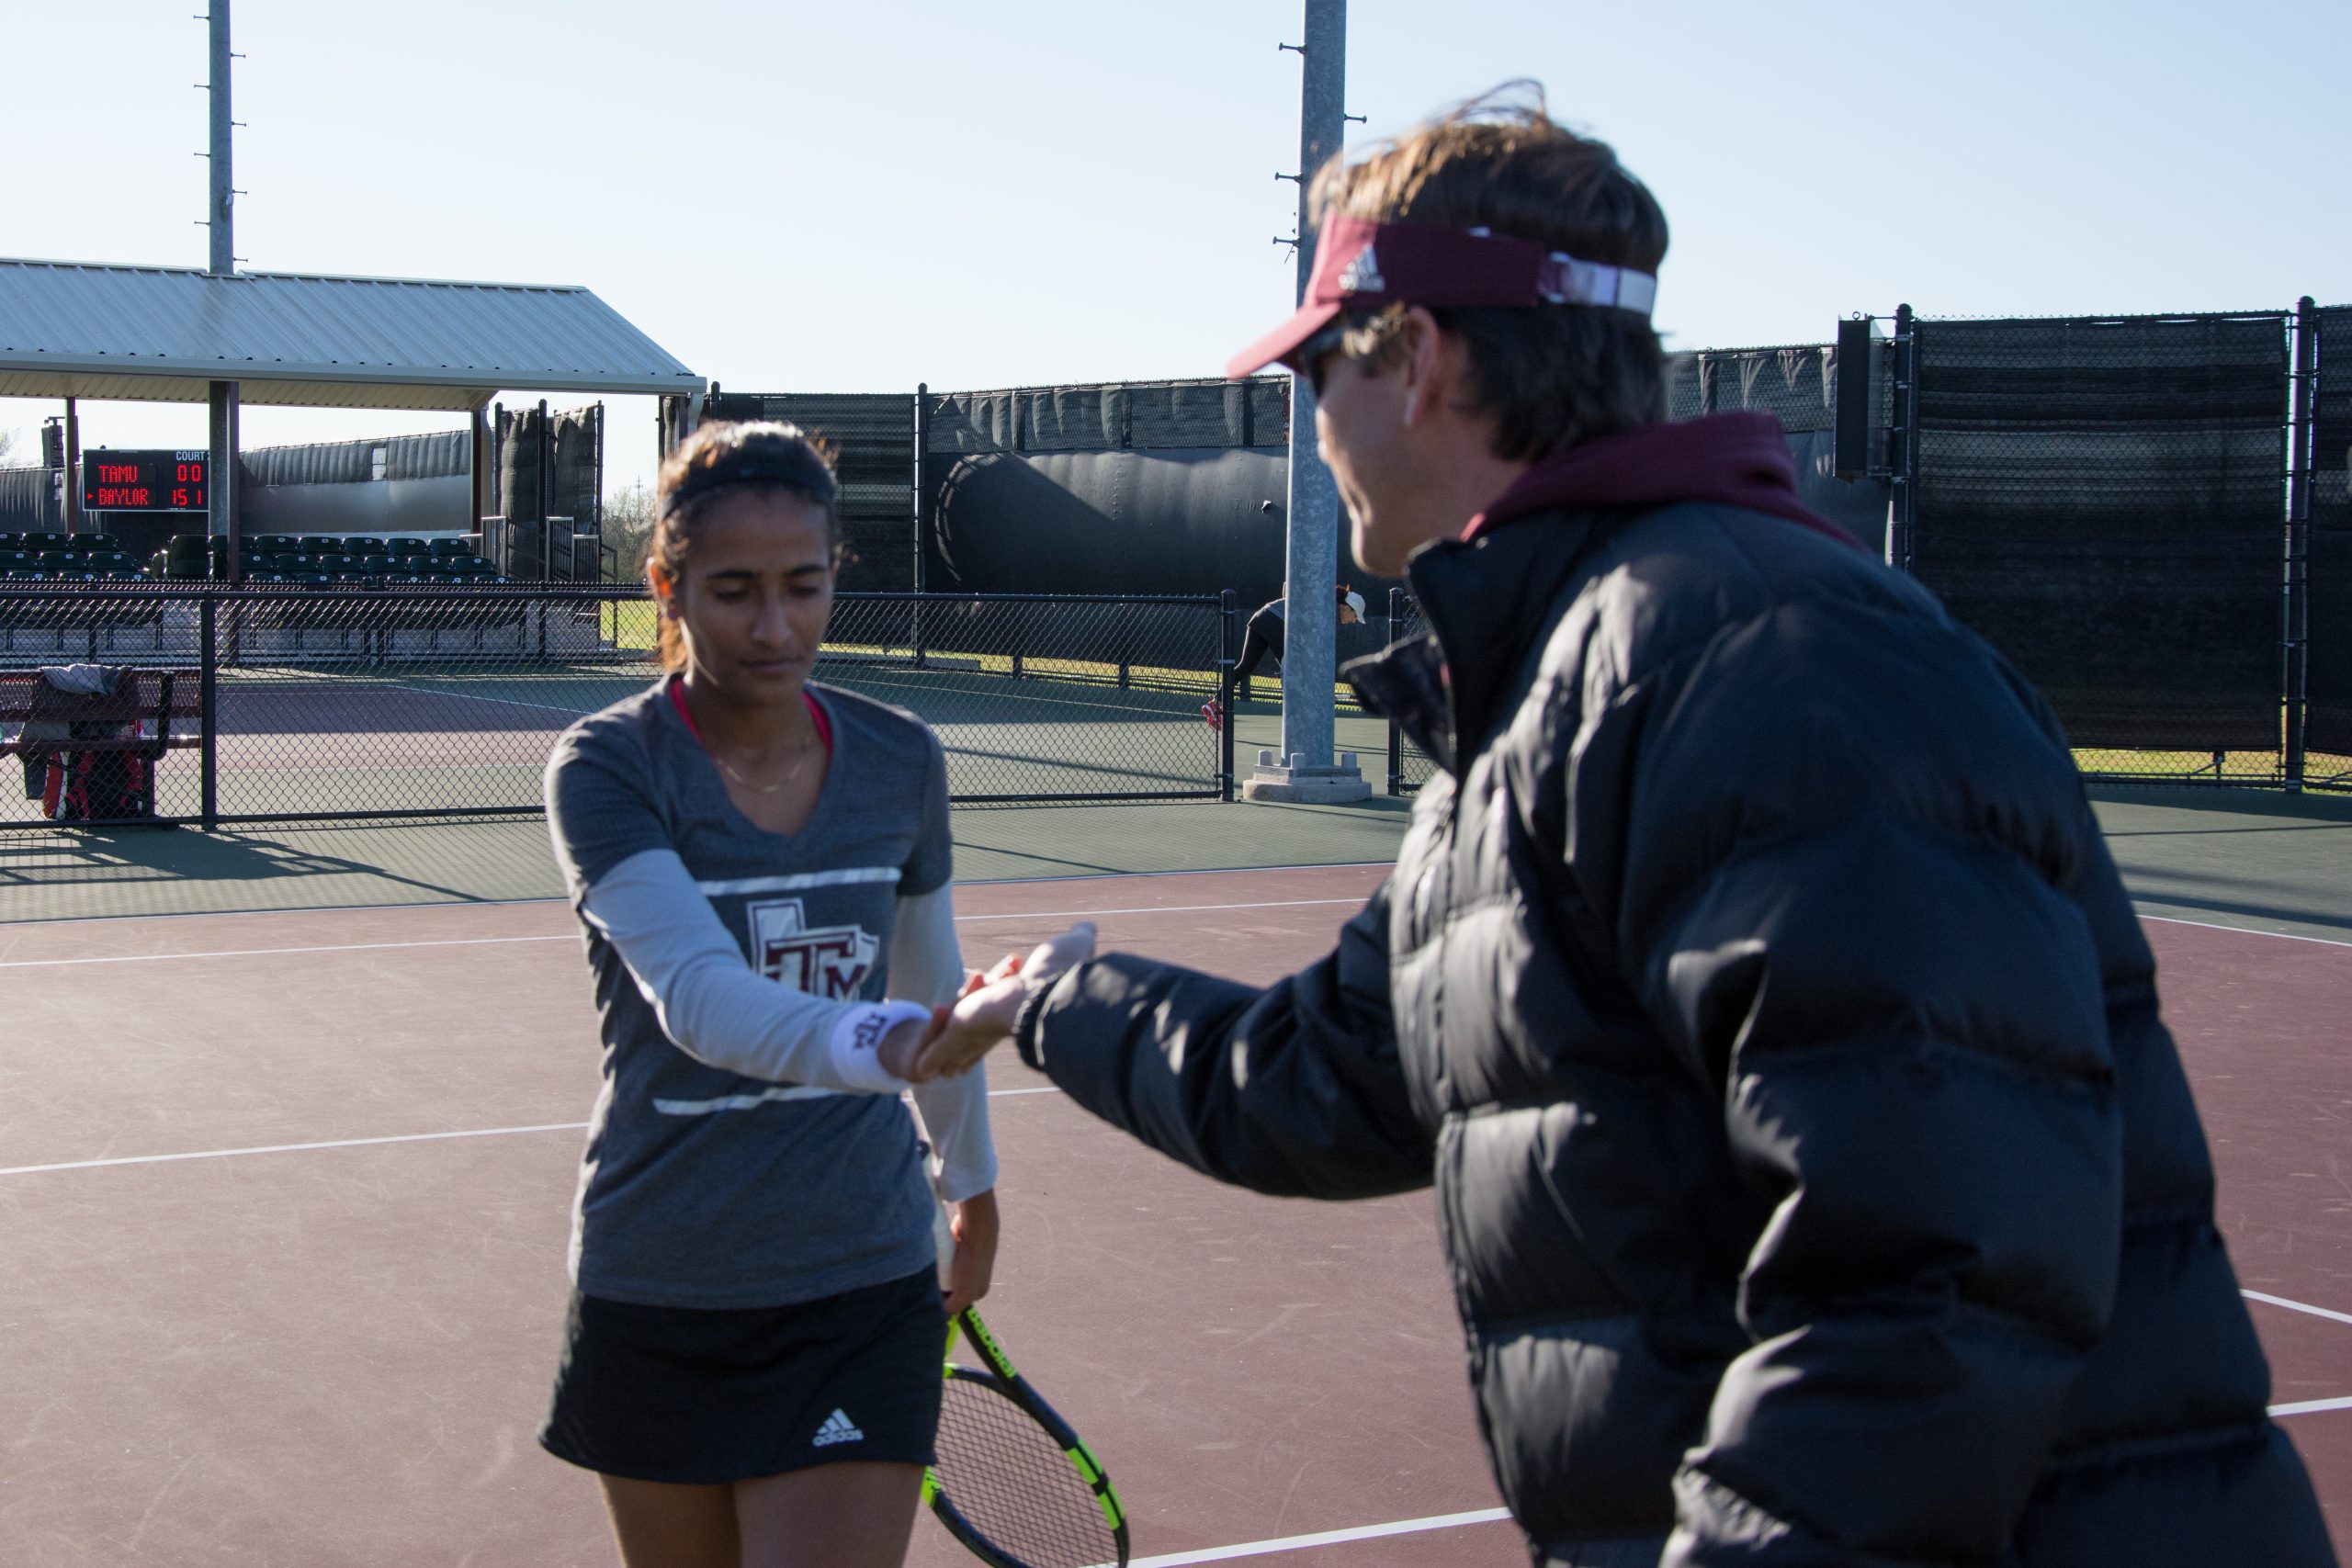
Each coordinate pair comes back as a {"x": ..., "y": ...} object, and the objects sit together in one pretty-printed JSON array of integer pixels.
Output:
[
  {"x": 2295, "y": 631},
  {"x": 1224, "y": 658},
  {"x": 208, "y": 719},
  {"x": 1395, "y": 735}
]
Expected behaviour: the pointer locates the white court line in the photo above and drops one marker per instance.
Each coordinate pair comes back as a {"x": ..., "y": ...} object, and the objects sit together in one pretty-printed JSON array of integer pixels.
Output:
[
  {"x": 2297, "y": 1306},
  {"x": 1163, "y": 909},
  {"x": 274, "y": 951},
  {"x": 499, "y": 903},
  {"x": 478, "y": 697},
  {"x": 574, "y": 936},
  {"x": 360, "y": 1143},
  {"x": 289, "y": 1148},
  {"x": 1321, "y": 1538},
  {"x": 2308, "y": 1406},
  {"x": 2245, "y": 931}
]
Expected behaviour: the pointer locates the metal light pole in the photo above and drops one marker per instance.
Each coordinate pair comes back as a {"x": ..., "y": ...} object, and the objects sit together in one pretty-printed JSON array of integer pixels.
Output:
[
  {"x": 221, "y": 513},
  {"x": 1311, "y": 618}
]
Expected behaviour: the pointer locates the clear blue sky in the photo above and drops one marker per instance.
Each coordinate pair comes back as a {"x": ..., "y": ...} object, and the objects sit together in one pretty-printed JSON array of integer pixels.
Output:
[{"x": 829, "y": 197}]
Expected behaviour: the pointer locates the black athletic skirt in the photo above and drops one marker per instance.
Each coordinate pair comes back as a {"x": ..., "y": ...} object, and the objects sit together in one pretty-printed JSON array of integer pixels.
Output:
[{"x": 705, "y": 1397}]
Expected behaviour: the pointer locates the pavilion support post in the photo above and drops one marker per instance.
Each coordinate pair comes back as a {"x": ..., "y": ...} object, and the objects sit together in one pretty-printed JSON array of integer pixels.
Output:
[
  {"x": 221, "y": 499},
  {"x": 73, "y": 469},
  {"x": 478, "y": 466},
  {"x": 546, "y": 456}
]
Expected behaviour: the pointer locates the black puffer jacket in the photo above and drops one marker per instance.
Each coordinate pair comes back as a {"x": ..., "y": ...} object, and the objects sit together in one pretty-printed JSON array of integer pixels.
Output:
[{"x": 1819, "y": 1184}]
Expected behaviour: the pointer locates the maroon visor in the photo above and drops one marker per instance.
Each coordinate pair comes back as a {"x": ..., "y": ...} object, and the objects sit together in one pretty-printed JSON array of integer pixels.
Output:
[{"x": 1363, "y": 266}]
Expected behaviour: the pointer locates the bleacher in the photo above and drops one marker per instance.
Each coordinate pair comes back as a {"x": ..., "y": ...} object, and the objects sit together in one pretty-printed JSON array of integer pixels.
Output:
[
  {"x": 65, "y": 557},
  {"x": 360, "y": 560},
  {"x": 310, "y": 559}
]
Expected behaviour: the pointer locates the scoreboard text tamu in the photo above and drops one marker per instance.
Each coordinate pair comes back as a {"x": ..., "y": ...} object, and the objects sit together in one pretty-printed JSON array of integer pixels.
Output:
[{"x": 144, "y": 481}]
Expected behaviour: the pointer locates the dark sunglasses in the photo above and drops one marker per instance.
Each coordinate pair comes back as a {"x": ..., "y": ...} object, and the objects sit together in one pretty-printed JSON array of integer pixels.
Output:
[{"x": 1314, "y": 357}]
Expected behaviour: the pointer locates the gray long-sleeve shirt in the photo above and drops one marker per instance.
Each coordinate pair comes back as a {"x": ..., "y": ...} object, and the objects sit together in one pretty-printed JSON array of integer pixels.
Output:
[{"x": 742, "y": 1151}]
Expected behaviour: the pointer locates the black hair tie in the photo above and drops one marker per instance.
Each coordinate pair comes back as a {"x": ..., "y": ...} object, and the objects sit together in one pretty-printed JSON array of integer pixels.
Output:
[{"x": 748, "y": 469}]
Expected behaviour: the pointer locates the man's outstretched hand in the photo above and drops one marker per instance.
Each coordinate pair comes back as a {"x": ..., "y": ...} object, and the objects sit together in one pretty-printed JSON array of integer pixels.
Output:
[{"x": 984, "y": 1016}]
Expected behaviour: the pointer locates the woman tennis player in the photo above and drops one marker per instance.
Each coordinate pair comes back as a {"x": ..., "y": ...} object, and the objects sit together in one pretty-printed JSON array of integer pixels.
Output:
[{"x": 752, "y": 1360}]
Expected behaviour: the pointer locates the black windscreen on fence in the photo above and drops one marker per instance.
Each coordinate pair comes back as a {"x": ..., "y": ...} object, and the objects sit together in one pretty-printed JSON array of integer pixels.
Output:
[
  {"x": 2101, "y": 499},
  {"x": 284, "y": 705},
  {"x": 872, "y": 436},
  {"x": 2328, "y": 722}
]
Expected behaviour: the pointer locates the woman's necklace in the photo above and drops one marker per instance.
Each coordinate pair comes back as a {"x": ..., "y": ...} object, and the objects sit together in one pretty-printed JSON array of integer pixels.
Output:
[{"x": 728, "y": 768}]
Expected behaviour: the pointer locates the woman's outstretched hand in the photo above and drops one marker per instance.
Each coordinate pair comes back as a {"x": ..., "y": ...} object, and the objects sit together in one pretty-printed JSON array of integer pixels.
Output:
[{"x": 984, "y": 1016}]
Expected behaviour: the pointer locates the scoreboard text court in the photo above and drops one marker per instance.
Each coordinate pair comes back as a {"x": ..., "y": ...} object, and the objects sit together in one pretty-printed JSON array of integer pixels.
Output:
[{"x": 144, "y": 481}]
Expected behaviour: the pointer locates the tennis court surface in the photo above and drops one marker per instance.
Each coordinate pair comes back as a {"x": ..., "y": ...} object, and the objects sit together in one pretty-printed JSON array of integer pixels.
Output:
[{"x": 284, "y": 1200}]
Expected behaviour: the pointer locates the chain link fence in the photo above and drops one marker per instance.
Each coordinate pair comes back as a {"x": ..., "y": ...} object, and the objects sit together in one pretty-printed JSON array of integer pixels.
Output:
[
  {"x": 263, "y": 706},
  {"x": 1409, "y": 767}
]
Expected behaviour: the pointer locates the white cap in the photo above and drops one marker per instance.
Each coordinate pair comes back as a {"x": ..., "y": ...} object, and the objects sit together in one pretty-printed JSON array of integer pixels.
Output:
[{"x": 1355, "y": 602}]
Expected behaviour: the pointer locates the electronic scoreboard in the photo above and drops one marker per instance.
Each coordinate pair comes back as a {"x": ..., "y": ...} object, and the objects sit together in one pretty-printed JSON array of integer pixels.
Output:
[{"x": 144, "y": 481}]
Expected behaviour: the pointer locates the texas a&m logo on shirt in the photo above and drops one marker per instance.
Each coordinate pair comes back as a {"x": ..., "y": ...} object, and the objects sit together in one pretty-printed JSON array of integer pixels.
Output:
[{"x": 832, "y": 962}]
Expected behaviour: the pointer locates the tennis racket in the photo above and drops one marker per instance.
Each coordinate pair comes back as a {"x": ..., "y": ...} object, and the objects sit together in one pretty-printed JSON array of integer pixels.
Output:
[{"x": 1013, "y": 1482}]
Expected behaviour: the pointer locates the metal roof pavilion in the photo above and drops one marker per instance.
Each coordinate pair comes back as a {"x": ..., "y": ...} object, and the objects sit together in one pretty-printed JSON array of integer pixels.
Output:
[{"x": 164, "y": 334}]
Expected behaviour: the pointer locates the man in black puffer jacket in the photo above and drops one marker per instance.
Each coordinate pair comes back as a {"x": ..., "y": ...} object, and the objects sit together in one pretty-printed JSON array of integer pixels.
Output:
[{"x": 1819, "y": 1183}]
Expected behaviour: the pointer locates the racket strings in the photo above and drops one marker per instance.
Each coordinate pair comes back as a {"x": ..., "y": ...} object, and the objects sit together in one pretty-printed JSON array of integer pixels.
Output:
[{"x": 1014, "y": 1484}]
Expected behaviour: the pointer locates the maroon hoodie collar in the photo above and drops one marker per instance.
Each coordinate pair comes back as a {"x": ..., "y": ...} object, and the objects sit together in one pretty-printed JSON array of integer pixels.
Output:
[{"x": 1734, "y": 459}]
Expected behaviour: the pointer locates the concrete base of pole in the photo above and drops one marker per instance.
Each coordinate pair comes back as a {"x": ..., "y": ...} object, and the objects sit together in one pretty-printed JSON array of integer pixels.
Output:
[{"x": 1297, "y": 785}]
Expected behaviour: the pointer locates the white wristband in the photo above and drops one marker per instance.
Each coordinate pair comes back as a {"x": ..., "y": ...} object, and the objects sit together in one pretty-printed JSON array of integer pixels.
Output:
[{"x": 856, "y": 1044}]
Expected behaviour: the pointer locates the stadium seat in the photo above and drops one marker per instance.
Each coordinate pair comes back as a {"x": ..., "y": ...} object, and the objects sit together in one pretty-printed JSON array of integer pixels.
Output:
[
  {"x": 440, "y": 548},
  {"x": 365, "y": 545},
  {"x": 319, "y": 544},
  {"x": 402, "y": 544}
]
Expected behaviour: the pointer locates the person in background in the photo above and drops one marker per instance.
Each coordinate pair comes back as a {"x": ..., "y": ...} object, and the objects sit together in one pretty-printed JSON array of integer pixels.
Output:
[
  {"x": 1261, "y": 637},
  {"x": 1818, "y": 1180}
]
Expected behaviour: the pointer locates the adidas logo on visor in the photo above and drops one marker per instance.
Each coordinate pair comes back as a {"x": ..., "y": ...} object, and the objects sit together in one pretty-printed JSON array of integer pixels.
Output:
[
  {"x": 1361, "y": 274},
  {"x": 837, "y": 1429}
]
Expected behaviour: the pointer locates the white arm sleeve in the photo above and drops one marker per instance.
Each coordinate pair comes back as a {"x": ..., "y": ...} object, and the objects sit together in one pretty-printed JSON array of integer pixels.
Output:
[
  {"x": 712, "y": 1005},
  {"x": 927, "y": 966}
]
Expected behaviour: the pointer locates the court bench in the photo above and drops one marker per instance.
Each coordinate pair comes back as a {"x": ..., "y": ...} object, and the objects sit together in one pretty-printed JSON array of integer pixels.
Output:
[{"x": 135, "y": 720}]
